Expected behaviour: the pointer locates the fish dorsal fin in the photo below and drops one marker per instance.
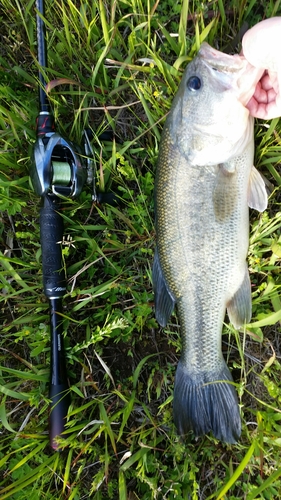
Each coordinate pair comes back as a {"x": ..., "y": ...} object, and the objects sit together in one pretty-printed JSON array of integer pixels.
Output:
[
  {"x": 163, "y": 298},
  {"x": 239, "y": 308},
  {"x": 257, "y": 195}
]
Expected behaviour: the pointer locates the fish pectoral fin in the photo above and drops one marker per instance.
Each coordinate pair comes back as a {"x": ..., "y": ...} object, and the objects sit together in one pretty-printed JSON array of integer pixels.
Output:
[
  {"x": 257, "y": 194},
  {"x": 225, "y": 192},
  {"x": 239, "y": 308},
  {"x": 163, "y": 299}
]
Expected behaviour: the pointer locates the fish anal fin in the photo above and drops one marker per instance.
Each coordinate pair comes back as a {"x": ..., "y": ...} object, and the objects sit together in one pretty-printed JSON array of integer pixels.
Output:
[
  {"x": 163, "y": 298},
  {"x": 257, "y": 194},
  {"x": 239, "y": 308},
  {"x": 205, "y": 402}
]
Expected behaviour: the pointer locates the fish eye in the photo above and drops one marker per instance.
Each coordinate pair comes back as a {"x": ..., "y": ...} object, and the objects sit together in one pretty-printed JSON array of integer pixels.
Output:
[{"x": 194, "y": 83}]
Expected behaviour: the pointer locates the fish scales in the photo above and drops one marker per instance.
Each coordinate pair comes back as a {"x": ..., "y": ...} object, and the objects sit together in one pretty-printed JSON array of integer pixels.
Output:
[
  {"x": 189, "y": 236},
  {"x": 202, "y": 227}
]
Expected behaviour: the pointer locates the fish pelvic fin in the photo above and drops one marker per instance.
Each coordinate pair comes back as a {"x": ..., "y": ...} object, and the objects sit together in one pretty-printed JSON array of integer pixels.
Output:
[
  {"x": 225, "y": 192},
  {"x": 206, "y": 402},
  {"x": 163, "y": 299},
  {"x": 239, "y": 308}
]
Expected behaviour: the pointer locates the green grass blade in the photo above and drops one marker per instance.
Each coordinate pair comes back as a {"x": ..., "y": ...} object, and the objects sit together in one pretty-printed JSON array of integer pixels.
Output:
[
  {"x": 269, "y": 319},
  {"x": 104, "y": 22},
  {"x": 182, "y": 27},
  {"x": 265, "y": 484},
  {"x": 67, "y": 470},
  {"x": 36, "y": 450},
  {"x": 122, "y": 486},
  {"x": 16, "y": 395},
  {"x": 29, "y": 478},
  {"x": 222, "y": 12},
  {"x": 3, "y": 416},
  {"x": 126, "y": 414},
  {"x": 133, "y": 459},
  {"x": 237, "y": 472},
  {"x": 24, "y": 375},
  {"x": 107, "y": 426},
  {"x": 139, "y": 368}
]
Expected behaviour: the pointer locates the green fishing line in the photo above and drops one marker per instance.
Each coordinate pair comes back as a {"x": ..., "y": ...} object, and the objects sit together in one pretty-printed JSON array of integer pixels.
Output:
[{"x": 61, "y": 173}]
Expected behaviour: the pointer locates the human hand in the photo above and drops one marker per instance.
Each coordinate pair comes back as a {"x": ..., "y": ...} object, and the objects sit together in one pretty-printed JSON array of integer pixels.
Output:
[
  {"x": 266, "y": 102},
  {"x": 261, "y": 48}
]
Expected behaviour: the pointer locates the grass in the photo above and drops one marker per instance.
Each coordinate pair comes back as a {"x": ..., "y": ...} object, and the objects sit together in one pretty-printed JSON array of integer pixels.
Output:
[{"x": 117, "y": 65}]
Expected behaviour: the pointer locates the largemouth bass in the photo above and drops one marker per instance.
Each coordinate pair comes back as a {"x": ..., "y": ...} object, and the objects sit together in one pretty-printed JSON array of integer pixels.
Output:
[{"x": 205, "y": 183}]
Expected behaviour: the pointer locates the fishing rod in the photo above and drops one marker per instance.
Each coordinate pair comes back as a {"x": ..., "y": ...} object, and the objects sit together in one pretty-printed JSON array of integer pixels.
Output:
[{"x": 57, "y": 173}]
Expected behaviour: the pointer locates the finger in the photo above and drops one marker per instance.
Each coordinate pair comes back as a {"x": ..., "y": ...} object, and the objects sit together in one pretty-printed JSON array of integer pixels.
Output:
[
  {"x": 266, "y": 82},
  {"x": 271, "y": 96},
  {"x": 265, "y": 111},
  {"x": 253, "y": 106},
  {"x": 257, "y": 109},
  {"x": 275, "y": 78},
  {"x": 273, "y": 110},
  {"x": 260, "y": 94},
  {"x": 261, "y": 44}
]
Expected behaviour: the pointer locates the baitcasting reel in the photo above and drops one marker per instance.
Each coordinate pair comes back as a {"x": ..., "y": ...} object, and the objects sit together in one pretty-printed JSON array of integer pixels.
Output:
[{"x": 58, "y": 167}]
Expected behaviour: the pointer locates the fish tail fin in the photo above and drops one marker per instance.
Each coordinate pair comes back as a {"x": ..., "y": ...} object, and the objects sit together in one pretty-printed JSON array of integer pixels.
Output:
[{"x": 205, "y": 402}]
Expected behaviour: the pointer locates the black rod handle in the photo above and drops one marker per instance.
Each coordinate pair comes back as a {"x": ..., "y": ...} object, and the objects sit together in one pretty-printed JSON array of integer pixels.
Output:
[
  {"x": 54, "y": 282},
  {"x": 59, "y": 389},
  {"x": 51, "y": 235}
]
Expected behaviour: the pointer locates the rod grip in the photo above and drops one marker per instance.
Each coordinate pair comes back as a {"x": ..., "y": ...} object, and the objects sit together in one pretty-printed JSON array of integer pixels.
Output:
[{"x": 51, "y": 235}]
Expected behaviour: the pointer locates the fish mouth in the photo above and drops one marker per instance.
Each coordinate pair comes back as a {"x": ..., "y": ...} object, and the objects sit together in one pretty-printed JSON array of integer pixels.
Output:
[
  {"x": 219, "y": 61},
  {"x": 233, "y": 72}
]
